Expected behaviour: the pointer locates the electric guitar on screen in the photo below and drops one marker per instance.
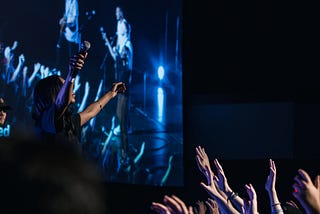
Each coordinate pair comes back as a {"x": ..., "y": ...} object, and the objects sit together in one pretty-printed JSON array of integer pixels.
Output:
[{"x": 107, "y": 43}]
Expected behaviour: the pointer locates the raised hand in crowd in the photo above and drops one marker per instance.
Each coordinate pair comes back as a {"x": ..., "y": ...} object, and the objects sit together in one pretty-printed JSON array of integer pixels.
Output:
[
  {"x": 203, "y": 164},
  {"x": 223, "y": 184},
  {"x": 250, "y": 206},
  {"x": 14, "y": 45},
  {"x": 208, "y": 206},
  {"x": 202, "y": 161},
  {"x": 18, "y": 68},
  {"x": 36, "y": 69},
  {"x": 44, "y": 71},
  {"x": 270, "y": 187},
  {"x": 217, "y": 186},
  {"x": 307, "y": 192},
  {"x": 215, "y": 192},
  {"x": 171, "y": 205},
  {"x": 8, "y": 62},
  {"x": 212, "y": 206},
  {"x": 200, "y": 208},
  {"x": 8, "y": 54}
]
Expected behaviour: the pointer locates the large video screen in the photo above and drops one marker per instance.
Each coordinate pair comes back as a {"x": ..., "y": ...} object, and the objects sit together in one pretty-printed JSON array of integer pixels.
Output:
[{"x": 37, "y": 40}]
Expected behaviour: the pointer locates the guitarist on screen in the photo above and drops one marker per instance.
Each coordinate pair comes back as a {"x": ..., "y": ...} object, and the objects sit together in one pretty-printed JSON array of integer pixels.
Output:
[
  {"x": 122, "y": 54},
  {"x": 69, "y": 38}
]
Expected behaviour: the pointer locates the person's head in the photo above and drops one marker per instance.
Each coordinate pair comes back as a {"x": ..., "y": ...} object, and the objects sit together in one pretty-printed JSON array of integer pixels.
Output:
[
  {"x": 39, "y": 177},
  {"x": 45, "y": 93},
  {"x": 290, "y": 207},
  {"x": 119, "y": 13},
  {"x": 287, "y": 209},
  {"x": 3, "y": 111}
]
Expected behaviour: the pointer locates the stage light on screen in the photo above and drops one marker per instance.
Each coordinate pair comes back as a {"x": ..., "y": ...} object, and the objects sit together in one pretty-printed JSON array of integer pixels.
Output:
[
  {"x": 160, "y": 72},
  {"x": 160, "y": 96}
]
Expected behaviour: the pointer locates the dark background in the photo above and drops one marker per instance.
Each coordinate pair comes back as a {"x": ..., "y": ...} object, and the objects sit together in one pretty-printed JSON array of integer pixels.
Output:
[
  {"x": 251, "y": 92},
  {"x": 252, "y": 88}
]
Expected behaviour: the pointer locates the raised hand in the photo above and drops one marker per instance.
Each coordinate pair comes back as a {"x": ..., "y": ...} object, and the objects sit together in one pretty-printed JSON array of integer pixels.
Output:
[
  {"x": 36, "y": 68},
  {"x": 42, "y": 71},
  {"x": 250, "y": 206},
  {"x": 223, "y": 184},
  {"x": 211, "y": 187},
  {"x": 18, "y": 68},
  {"x": 171, "y": 205},
  {"x": 270, "y": 184},
  {"x": 212, "y": 206},
  {"x": 213, "y": 190},
  {"x": 221, "y": 178},
  {"x": 14, "y": 45},
  {"x": 200, "y": 208},
  {"x": 202, "y": 160},
  {"x": 77, "y": 62},
  {"x": 118, "y": 87},
  {"x": 7, "y": 54},
  {"x": 46, "y": 71},
  {"x": 21, "y": 59},
  {"x": 307, "y": 192}
]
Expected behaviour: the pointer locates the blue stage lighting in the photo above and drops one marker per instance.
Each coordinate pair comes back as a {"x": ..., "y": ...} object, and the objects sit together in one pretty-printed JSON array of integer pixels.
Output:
[{"x": 160, "y": 72}]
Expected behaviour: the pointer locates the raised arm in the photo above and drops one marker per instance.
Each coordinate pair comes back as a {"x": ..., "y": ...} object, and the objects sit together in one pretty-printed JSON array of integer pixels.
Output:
[
  {"x": 64, "y": 97},
  {"x": 250, "y": 205},
  {"x": 203, "y": 161},
  {"x": 93, "y": 109},
  {"x": 307, "y": 192},
  {"x": 171, "y": 205},
  {"x": 18, "y": 68},
  {"x": 225, "y": 187},
  {"x": 212, "y": 206},
  {"x": 213, "y": 190},
  {"x": 270, "y": 186},
  {"x": 36, "y": 68}
]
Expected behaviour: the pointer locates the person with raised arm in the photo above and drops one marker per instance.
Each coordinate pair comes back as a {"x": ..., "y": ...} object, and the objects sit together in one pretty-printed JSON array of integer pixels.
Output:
[{"x": 53, "y": 96}]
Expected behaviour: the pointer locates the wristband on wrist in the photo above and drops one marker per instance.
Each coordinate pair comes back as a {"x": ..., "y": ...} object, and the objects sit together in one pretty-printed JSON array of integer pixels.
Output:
[{"x": 232, "y": 196}]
